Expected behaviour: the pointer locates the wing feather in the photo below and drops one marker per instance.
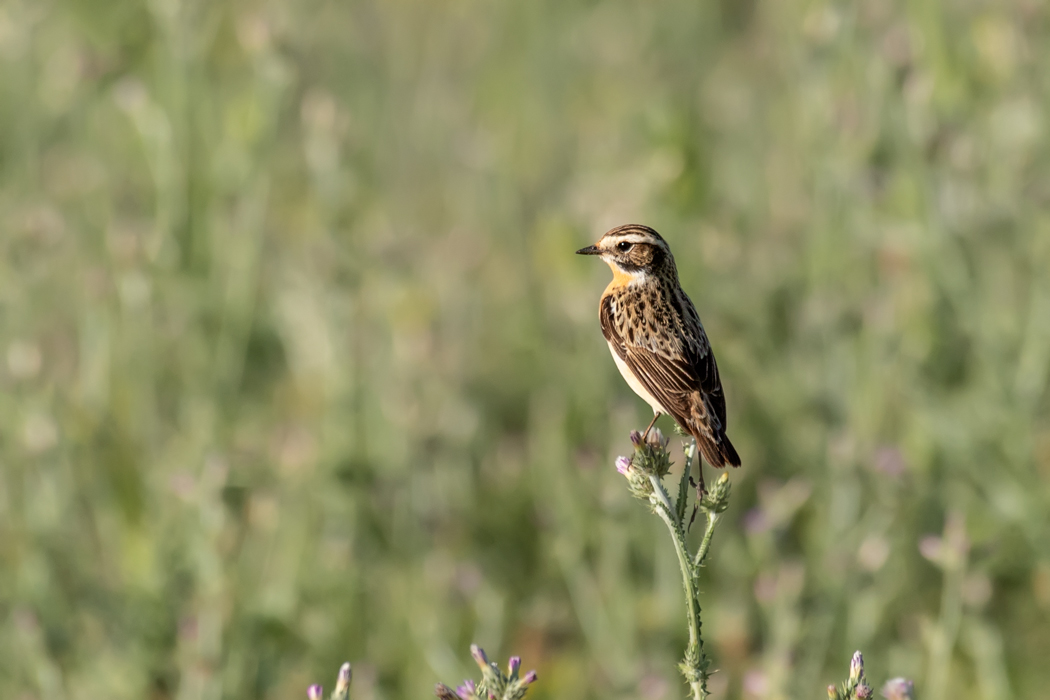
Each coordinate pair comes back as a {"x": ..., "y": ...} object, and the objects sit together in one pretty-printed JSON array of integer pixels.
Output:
[{"x": 677, "y": 374}]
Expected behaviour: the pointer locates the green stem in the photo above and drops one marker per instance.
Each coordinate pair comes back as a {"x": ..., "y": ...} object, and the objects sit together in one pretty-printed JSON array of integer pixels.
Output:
[
  {"x": 705, "y": 544},
  {"x": 662, "y": 496},
  {"x": 692, "y": 666}
]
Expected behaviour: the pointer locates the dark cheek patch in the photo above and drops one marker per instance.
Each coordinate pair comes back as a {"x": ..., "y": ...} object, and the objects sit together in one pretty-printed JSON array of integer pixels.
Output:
[{"x": 642, "y": 255}]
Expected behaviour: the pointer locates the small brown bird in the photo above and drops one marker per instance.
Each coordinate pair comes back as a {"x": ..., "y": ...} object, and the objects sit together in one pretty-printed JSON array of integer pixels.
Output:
[{"x": 658, "y": 342}]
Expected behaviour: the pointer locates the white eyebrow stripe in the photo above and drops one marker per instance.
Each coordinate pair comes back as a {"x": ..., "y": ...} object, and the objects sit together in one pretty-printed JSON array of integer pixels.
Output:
[{"x": 636, "y": 238}]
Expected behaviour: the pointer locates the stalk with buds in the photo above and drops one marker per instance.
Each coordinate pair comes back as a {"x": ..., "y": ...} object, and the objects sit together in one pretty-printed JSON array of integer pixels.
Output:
[
  {"x": 494, "y": 685},
  {"x": 342, "y": 686},
  {"x": 644, "y": 472}
]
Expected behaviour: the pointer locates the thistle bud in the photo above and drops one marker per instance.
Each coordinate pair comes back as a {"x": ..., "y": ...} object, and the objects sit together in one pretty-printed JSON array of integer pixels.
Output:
[
  {"x": 443, "y": 692},
  {"x": 898, "y": 689},
  {"x": 315, "y": 692},
  {"x": 636, "y": 440},
  {"x": 529, "y": 678},
  {"x": 513, "y": 666},
  {"x": 656, "y": 440},
  {"x": 717, "y": 499},
  {"x": 623, "y": 465},
  {"x": 479, "y": 656},
  {"x": 466, "y": 691},
  {"x": 864, "y": 692},
  {"x": 856, "y": 667},
  {"x": 342, "y": 683},
  {"x": 832, "y": 694}
]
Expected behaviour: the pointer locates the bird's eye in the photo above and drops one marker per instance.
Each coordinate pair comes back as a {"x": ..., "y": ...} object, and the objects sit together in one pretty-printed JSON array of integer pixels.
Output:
[{"x": 624, "y": 246}]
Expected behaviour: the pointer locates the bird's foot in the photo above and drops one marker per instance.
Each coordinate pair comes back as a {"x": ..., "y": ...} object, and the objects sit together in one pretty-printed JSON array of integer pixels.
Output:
[
  {"x": 701, "y": 491},
  {"x": 651, "y": 424}
]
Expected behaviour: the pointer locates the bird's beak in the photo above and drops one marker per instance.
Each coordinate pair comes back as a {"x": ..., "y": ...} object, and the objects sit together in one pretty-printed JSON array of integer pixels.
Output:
[{"x": 589, "y": 250}]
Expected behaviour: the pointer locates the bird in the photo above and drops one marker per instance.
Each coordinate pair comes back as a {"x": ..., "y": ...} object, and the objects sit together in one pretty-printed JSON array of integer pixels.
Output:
[{"x": 658, "y": 342}]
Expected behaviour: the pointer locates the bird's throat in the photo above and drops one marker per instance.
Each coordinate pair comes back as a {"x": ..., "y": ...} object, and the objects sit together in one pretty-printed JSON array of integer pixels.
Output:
[{"x": 621, "y": 278}]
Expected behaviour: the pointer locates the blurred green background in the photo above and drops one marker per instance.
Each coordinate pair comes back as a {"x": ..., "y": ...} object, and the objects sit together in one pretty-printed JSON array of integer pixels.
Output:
[{"x": 297, "y": 364}]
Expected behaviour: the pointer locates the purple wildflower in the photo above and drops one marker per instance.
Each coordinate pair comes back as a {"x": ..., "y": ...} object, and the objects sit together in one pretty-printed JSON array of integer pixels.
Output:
[
  {"x": 466, "y": 691},
  {"x": 898, "y": 689}
]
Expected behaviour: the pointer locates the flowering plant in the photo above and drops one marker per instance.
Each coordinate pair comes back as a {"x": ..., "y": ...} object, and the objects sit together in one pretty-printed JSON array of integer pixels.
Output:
[
  {"x": 494, "y": 685},
  {"x": 644, "y": 471}
]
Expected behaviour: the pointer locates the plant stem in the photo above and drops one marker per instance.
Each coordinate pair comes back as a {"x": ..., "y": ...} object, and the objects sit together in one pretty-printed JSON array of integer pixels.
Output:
[
  {"x": 705, "y": 544},
  {"x": 692, "y": 666},
  {"x": 662, "y": 496}
]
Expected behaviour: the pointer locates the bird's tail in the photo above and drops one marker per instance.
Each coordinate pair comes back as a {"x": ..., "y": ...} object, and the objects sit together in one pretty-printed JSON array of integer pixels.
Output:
[{"x": 717, "y": 450}]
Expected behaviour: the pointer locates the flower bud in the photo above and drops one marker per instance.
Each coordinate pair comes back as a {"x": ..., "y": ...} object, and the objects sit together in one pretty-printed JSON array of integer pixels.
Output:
[
  {"x": 342, "y": 683},
  {"x": 636, "y": 440},
  {"x": 717, "y": 497},
  {"x": 623, "y": 464},
  {"x": 529, "y": 678},
  {"x": 443, "y": 692},
  {"x": 656, "y": 440},
  {"x": 832, "y": 694},
  {"x": 514, "y": 665},
  {"x": 315, "y": 692},
  {"x": 863, "y": 692},
  {"x": 898, "y": 689},
  {"x": 856, "y": 667},
  {"x": 466, "y": 691},
  {"x": 479, "y": 656}
]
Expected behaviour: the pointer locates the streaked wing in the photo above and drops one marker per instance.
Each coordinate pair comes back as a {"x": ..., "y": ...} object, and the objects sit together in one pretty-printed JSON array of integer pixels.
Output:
[{"x": 673, "y": 374}]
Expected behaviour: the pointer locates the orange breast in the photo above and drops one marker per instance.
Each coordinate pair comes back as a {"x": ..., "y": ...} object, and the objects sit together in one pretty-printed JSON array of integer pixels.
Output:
[{"x": 620, "y": 279}]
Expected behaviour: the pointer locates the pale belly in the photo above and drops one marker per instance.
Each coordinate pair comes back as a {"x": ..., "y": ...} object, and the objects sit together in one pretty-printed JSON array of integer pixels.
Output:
[{"x": 633, "y": 382}]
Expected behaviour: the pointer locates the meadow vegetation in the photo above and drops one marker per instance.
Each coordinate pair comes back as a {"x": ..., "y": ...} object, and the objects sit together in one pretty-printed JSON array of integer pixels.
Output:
[{"x": 297, "y": 365}]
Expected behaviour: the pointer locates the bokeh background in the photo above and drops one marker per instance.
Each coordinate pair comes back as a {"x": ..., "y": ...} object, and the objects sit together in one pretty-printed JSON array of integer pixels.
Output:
[{"x": 297, "y": 364}]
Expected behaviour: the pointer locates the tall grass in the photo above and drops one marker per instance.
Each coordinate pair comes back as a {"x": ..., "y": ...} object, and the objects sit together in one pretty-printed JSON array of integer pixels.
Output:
[{"x": 297, "y": 365}]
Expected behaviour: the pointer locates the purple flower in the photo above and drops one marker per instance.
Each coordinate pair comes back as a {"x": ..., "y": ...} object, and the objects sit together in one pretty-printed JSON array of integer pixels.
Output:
[
  {"x": 315, "y": 691},
  {"x": 623, "y": 465},
  {"x": 466, "y": 691},
  {"x": 514, "y": 665},
  {"x": 529, "y": 678},
  {"x": 898, "y": 689},
  {"x": 863, "y": 692},
  {"x": 636, "y": 439}
]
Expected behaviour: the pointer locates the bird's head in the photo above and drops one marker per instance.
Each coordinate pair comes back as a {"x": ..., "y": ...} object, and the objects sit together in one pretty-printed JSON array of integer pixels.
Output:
[{"x": 633, "y": 251}]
